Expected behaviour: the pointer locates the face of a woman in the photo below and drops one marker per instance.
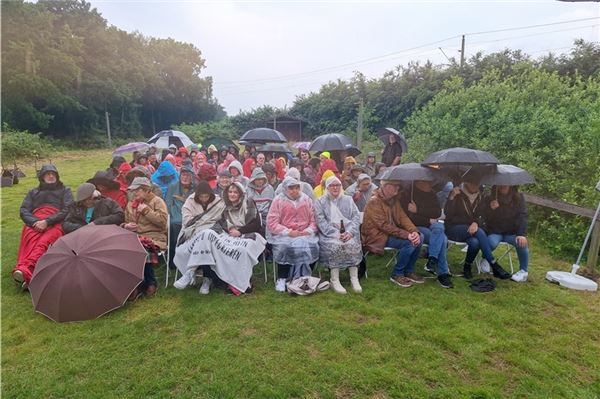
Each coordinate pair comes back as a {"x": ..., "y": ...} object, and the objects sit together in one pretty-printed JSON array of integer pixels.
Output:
[
  {"x": 140, "y": 193},
  {"x": 204, "y": 198},
  {"x": 260, "y": 182},
  {"x": 186, "y": 178},
  {"x": 503, "y": 189},
  {"x": 304, "y": 156},
  {"x": 49, "y": 177},
  {"x": 260, "y": 159},
  {"x": 334, "y": 189},
  {"x": 293, "y": 192},
  {"x": 233, "y": 194},
  {"x": 392, "y": 138},
  {"x": 234, "y": 172}
]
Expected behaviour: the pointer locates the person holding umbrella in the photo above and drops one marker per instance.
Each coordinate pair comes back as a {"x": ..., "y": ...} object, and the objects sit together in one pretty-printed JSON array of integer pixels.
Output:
[
  {"x": 146, "y": 215},
  {"x": 386, "y": 225},
  {"x": 465, "y": 217},
  {"x": 506, "y": 220},
  {"x": 422, "y": 207},
  {"x": 392, "y": 152},
  {"x": 91, "y": 208}
]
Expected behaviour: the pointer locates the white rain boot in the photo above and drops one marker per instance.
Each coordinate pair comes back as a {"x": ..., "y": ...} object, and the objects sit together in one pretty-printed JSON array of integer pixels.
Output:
[
  {"x": 335, "y": 281},
  {"x": 354, "y": 279},
  {"x": 185, "y": 280},
  {"x": 205, "y": 289}
]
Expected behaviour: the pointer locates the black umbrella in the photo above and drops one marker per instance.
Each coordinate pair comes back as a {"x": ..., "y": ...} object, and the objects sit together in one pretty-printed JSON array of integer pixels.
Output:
[
  {"x": 507, "y": 175},
  {"x": 263, "y": 135},
  {"x": 332, "y": 142},
  {"x": 460, "y": 156},
  {"x": 384, "y": 134},
  {"x": 165, "y": 138},
  {"x": 409, "y": 172},
  {"x": 274, "y": 147}
]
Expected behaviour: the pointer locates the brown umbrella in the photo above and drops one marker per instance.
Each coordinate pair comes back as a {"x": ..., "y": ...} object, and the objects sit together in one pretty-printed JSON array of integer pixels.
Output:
[{"x": 87, "y": 273}]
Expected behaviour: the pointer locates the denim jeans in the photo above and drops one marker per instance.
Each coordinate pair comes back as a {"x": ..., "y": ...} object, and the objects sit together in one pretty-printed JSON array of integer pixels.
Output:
[
  {"x": 475, "y": 242},
  {"x": 522, "y": 253},
  {"x": 407, "y": 255},
  {"x": 435, "y": 237}
]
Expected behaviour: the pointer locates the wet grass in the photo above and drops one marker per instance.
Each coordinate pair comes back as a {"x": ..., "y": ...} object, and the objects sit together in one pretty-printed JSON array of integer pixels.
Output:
[{"x": 522, "y": 340}]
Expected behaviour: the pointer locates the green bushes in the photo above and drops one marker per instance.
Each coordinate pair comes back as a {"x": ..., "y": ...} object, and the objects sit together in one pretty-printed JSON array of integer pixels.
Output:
[{"x": 17, "y": 146}]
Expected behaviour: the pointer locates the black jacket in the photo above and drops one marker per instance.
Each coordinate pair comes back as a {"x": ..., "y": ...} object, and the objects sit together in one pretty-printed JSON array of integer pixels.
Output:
[
  {"x": 106, "y": 211},
  {"x": 508, "y": 218},
  {"x": 390, "y": 152},
  {"x": 56, "y": 195},
  {"x": 460, "y": 211},
  {"x": 428, "y": 206}
]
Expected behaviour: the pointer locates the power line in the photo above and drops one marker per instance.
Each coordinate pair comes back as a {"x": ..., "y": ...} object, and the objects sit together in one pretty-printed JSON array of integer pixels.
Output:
[{"x": 241, "y": 82}]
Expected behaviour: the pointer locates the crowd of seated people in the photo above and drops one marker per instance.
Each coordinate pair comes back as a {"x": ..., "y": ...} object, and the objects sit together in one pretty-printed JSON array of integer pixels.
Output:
[{"x": 224, "y": 210}]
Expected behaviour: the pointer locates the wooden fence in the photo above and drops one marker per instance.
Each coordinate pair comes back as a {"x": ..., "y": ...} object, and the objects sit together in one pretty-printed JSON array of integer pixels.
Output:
[{"x": 592, "y": 258}]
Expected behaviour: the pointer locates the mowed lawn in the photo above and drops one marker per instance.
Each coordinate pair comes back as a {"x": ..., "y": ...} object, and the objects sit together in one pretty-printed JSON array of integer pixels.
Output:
[{"x": 533, "y": 340}]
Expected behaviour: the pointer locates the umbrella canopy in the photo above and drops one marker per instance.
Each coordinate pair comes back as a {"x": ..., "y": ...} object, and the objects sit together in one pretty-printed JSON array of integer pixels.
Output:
[
  {"x": 461, "y": 156},
  {"x": 385, "y": 132},
  {"x": 87, "y": 273},
  {"x": 302, "y": 145},
  {"x": 165, "y": 138},
  {"x": 274, "y": 147},
  {"x": 507, "y": 175},
  {"x": 263, "y": 135},
  {"x": 218, "y": 142},
  {"x": 131, "y": 147},
  {"x": 331, "y": 142},
  {"x": 409, "y": 172}
]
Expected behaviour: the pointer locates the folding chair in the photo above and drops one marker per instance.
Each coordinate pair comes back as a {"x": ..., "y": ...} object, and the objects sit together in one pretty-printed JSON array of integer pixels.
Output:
[
  {"x": 165, "y": 254},
  {"x": 507, "y": 251},
  {"x": 386, "y": 249},
  {"x": 464, "y": 248}
]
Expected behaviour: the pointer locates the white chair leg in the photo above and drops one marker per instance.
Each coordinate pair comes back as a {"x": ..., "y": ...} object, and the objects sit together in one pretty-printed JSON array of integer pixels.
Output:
[{"x": 265, "y": 267}]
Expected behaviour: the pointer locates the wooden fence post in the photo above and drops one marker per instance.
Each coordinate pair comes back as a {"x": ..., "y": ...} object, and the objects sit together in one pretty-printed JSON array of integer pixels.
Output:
[{"x": 592, "y": 260}]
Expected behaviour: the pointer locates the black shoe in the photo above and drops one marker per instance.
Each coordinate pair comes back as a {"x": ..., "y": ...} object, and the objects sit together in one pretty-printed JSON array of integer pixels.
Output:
[
  {"x": 467, "y": 271},
  {"x": 499, "y": 272},
  {"x": 431, "y": 265},
  {"x": 445, "y": 281}
]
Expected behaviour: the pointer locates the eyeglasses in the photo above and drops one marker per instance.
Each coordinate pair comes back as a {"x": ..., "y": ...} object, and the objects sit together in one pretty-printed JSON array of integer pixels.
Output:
[{"x": 335, "y": 185}]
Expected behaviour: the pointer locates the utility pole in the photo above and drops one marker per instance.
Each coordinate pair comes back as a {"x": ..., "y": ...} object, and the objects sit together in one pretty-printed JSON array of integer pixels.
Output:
[
  {"x": 108, "y": 129},
  {"x": 462, "y": 52},
  {"x": 359, "y": 130}
]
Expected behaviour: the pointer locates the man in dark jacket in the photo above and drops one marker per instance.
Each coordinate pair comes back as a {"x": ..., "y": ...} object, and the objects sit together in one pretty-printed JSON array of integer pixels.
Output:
[
  {"x": 465, "y": 217},
  {"x": 421, "y": 205},
  {"x": 392, "y": 152},
  {"x": 91, "y": 208},
  {"x": 43, "y": 210}
]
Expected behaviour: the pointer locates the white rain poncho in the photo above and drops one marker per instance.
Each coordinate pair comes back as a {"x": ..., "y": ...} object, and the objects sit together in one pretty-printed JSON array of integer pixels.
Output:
[{"x": 333, "y": 253}]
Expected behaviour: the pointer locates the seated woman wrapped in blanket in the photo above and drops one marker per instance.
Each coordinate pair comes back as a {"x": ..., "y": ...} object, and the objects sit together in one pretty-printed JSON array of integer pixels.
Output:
[{"x": 221, "y": 236}]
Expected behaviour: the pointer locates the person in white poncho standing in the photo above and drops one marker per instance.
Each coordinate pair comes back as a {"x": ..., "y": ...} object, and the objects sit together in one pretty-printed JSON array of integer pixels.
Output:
[{"x": 338, "y": 220}]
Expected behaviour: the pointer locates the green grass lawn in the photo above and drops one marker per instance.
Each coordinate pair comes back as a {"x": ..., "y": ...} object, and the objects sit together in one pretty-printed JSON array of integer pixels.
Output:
[{"x": 522, "y": 340}]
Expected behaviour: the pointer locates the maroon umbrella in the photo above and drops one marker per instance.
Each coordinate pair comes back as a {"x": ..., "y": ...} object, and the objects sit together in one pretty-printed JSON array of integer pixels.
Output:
[{"x": 87, "y": 273}]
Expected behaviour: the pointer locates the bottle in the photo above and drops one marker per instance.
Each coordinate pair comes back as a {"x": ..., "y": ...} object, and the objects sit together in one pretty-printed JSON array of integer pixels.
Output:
[{"x": 342, "y": 228}]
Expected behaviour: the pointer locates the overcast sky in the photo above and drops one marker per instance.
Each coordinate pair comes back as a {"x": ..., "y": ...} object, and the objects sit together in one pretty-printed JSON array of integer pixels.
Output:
[{"x": 268, "y": 52}]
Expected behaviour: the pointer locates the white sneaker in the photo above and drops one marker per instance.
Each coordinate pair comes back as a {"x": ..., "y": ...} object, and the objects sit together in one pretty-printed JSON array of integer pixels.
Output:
[
  {"x": 205, "y": 289},
  {"x": 520, "y": 276},
  {"x": 185, "y": 280},
  {"x": 280, "y": 285}
]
